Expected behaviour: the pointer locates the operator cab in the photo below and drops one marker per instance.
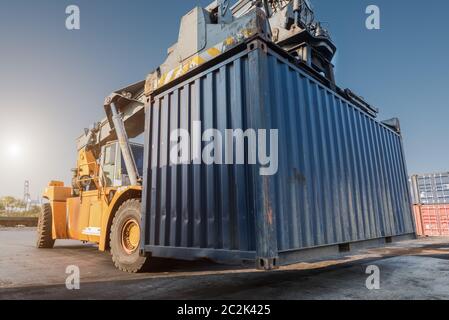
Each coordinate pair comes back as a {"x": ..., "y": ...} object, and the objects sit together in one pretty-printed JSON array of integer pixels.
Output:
[{"x": 114, "y": 173}]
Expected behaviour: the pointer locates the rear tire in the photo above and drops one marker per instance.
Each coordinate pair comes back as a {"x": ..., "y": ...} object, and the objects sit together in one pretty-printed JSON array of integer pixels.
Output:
[
  {"x": 44, "y": 228},
  {"x": 125, "y": 238}
]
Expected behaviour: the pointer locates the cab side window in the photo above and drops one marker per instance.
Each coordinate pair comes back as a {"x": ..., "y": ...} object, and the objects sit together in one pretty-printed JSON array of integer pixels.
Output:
[{"x": 109, "y": 164}]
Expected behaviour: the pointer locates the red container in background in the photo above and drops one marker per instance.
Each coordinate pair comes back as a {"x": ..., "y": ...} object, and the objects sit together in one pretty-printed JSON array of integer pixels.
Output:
[{"x": 432, "y": 220}]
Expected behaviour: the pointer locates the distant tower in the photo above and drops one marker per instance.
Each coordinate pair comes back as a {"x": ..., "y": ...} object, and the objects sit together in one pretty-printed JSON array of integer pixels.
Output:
[{"x": 26, "y": 194}]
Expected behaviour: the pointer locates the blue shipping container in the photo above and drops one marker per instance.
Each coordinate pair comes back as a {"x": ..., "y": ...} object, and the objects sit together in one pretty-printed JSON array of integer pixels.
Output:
[{"x": 342, "y": 178}]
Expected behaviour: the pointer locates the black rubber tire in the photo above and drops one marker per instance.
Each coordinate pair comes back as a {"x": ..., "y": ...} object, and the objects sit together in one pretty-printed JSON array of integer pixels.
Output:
[
  {"x": 44, "y": 228},
  {"x": 124, "y": 261}
]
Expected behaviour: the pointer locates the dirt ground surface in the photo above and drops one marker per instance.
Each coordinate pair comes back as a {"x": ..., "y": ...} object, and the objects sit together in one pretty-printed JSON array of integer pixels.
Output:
[{"x": 416, "y": 269}]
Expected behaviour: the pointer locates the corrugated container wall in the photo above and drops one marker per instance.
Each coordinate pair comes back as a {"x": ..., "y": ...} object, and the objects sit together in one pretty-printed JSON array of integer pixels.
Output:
[{"x": 342, "y": 177}]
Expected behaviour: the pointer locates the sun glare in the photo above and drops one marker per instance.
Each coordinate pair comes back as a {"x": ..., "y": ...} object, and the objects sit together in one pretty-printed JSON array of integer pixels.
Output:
[{"x": 13, "y": 150}]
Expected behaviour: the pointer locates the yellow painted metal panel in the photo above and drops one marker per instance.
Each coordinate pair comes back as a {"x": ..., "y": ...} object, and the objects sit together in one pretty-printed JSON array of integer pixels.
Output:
[
  {"x": 57, "y": 193},
  {"x": 59, "y": 225}
]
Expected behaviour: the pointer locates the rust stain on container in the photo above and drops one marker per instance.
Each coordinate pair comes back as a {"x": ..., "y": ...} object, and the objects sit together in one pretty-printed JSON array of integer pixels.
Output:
[{"x": 269, "y": 209}]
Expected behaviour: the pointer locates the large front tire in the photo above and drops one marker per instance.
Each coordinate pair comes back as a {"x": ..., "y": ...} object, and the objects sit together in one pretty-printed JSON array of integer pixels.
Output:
[
  {"x": 44, "y": 228},
  {"x": 125, "y": 238}
]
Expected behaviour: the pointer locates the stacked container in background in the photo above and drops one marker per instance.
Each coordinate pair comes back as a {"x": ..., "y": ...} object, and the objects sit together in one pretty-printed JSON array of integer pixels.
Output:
[{"x": 430, "y": 194}]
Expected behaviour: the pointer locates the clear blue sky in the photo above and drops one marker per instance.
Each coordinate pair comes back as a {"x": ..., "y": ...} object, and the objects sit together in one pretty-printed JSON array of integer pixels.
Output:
[{"x": 53, "y": 81}]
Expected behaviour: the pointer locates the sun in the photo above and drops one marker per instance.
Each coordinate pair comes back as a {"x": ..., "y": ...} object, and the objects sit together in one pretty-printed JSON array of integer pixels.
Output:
[{"x": 13, "y": 150}]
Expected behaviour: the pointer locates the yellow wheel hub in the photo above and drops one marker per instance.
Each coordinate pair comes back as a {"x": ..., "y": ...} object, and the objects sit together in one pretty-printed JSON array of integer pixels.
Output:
[{"x": 130, "y": 236}]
